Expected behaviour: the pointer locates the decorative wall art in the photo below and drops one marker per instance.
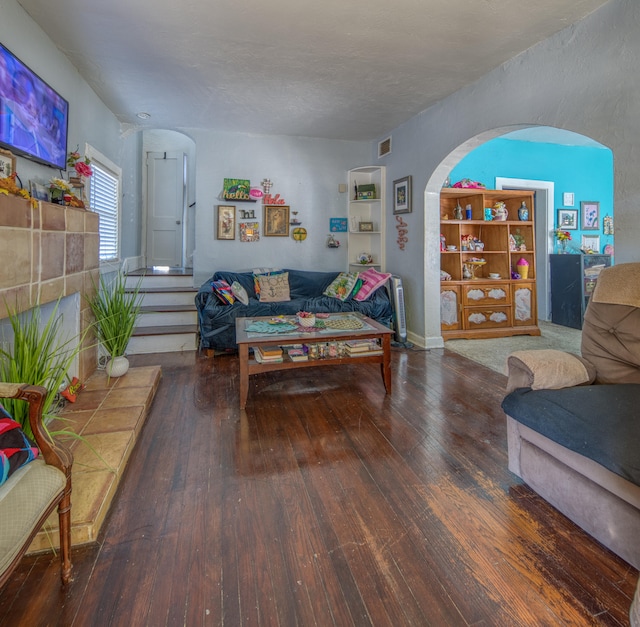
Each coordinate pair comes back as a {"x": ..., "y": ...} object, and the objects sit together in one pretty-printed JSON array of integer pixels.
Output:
[
  {"x": 607, "y": 225},
  {"x": 402, "y": 195},
  {"x": 249, "y": 231},
  {"x": 7, "y": 164},
  {"x": 276, "y": 220},
  {"x": 365, "y": 226},
  {"x": 568, "y": 199},
  {"x": 236, "y": 189},
  {"x": 567, "y": 219},
  {"x": 338, "y": 225},
  {"x": 226, "y": 222},
  {"x": 403, "y": 231},
  {"x": 590, "y": 215}
]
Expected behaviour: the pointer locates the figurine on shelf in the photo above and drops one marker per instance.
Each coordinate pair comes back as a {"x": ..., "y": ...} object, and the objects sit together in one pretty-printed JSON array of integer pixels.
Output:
[{"x": 500, "y": 212}]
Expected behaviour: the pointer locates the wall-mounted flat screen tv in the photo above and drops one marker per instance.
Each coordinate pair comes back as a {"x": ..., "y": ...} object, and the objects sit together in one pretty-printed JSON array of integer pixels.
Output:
[{"x": 33, "y": 117}]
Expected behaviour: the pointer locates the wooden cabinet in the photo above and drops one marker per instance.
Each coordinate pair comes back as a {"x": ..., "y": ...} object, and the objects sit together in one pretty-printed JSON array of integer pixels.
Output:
[
  {"x": 573, "y": 278},
  {"x": 366, "y": 216},
  {"x": 480, "y": 297}
]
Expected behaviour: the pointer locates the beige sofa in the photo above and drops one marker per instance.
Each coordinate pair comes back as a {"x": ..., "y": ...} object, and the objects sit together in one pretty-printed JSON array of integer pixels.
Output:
[{"x": 573, "y": 423}]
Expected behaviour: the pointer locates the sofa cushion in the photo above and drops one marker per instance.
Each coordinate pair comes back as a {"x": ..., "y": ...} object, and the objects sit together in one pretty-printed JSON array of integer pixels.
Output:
[
  {"x": 223, "y": 291},
  {"x": 342, "y": 286},
  {"x": 307, "y": 283},
  {"x": 274, "y": 288},
  {"x": 597, "y": 421},
  {"x": 240, "y": 293}
]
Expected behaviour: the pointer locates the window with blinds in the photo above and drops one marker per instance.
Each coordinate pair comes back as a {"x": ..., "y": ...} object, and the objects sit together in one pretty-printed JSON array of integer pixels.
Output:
[{"x": 103, "y": 199}]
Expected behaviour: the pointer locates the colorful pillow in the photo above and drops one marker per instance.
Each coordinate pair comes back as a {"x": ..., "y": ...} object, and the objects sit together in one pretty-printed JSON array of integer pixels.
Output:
[
  {"x": 274, "y": 288},
  {"x": 15, "y": 448},
  {"x": 223, "y": 291},
  {"x": 372, "y": 281},
  {"x": 342, "y": 285},
  {"x": 240, "y": 293}
]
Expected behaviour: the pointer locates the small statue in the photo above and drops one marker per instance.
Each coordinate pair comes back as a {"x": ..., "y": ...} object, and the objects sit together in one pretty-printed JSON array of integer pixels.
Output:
[
  {"x": 500, "y": 212},
  {"x": 457, "y": 212}
]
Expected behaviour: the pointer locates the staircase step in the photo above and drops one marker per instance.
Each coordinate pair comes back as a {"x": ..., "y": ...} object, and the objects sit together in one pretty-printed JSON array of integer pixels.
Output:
[
  {"x": 168, "y": 315},
  {"x": 163, "y": 339},
  {"x": 154, "y": 297},
  {"x": 160, "y": 280}
]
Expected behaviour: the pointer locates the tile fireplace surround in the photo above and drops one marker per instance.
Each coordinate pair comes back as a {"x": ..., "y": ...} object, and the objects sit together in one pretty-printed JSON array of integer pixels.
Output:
[{"x": 47, "y": 252}]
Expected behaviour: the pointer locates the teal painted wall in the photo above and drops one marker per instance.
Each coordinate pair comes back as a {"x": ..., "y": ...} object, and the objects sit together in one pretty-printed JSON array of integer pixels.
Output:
[{"x": 584, "y": 170}]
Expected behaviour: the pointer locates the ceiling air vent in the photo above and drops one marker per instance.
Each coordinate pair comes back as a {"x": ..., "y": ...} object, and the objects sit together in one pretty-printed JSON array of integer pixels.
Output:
[{"x": 384, "y": 147}]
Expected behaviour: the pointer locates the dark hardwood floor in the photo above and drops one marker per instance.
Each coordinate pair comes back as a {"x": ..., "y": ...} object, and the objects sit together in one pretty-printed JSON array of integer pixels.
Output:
[{"x": 327, "y": 503}]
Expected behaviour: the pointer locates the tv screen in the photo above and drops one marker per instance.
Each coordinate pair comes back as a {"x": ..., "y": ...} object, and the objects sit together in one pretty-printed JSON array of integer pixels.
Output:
[{"x": 33, "y": 117}]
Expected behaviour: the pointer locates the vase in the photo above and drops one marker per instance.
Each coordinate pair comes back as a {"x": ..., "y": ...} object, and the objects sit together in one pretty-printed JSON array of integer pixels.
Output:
[
  {"x": 523, "y": 212},
  {"x": 117, "y": 366},
  {"x": 562, "y": 248}
]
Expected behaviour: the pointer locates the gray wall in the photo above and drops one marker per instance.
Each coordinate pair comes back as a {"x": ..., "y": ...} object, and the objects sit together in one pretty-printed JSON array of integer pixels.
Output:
[{"x": 584, "y": 79}]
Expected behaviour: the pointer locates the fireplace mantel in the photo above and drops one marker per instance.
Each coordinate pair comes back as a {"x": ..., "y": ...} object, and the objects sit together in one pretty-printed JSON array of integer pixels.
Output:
[{"x": 46, "y": 252}]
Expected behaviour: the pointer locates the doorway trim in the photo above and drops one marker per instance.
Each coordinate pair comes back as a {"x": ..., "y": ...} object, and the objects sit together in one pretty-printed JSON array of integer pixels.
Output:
[{"x": 546, "y": 188}]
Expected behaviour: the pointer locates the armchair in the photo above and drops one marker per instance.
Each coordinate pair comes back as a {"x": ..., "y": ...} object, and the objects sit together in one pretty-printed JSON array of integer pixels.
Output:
[
  {"x": 572, "y": 421},
  {"x": 31, "y": 493}
]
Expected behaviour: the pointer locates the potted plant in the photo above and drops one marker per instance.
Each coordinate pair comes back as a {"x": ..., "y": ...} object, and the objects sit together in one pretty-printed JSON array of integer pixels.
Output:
[{"x": 116, "y": 309}]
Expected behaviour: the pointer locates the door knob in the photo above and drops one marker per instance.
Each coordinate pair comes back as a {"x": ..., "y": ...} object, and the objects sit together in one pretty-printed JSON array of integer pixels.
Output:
[{"x": 177, "y": 221}]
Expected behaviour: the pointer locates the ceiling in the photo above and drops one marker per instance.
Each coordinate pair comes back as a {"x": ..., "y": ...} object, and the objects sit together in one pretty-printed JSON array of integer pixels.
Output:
[{"x": 348, "y": 69}]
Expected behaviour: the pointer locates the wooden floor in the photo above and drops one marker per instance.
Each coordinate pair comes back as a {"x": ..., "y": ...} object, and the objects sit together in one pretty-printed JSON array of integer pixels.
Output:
[{"x": 327, "y": 503}]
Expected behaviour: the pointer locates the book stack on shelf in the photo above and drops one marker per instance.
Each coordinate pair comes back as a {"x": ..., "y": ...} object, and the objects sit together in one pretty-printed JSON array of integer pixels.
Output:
[
  {"x": 360, "y": 348},
  {"x": 297, "y": 354},
  {"x": 267, "y": 354}
]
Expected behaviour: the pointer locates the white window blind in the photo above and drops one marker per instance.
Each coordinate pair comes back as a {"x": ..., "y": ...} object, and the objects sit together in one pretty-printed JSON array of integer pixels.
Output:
[{"x": 103, "y": 199}]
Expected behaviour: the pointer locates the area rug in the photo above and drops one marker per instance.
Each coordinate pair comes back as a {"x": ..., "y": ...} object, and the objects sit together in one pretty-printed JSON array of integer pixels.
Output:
[{"x": 493, "y": 352}]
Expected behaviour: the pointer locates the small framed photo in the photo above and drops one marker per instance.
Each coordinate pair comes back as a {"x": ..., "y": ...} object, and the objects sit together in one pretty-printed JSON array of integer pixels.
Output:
[
  {"x": 568, "y": 219},
  {"x": 590, "y": 215},
  {"x": 226, "y": 222},
  {"x": 402, "y": 195},
  {"x": 38, "y": 191},
  {"x": 568, "y": 199},
  {"x": 249, "y": 231},
  {"x": 276, "y": 221},
  {"x": 590, "y": 243},
  {"x": 365, "y": 226},
  {"x": 7, "y": 163}
]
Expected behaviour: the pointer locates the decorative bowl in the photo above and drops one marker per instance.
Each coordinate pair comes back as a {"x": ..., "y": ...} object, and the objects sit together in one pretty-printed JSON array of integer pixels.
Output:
[{"x": 309, "y": 320}]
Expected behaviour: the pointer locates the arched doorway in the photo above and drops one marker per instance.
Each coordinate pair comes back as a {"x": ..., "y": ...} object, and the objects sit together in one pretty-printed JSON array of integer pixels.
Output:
[{"x": 511, "y": 167}]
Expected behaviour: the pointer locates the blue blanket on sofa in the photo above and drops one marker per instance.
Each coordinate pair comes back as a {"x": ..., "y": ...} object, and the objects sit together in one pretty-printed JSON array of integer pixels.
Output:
[
  {"x": 597, "y": 421},
  {"x": 217, "y": 321}
]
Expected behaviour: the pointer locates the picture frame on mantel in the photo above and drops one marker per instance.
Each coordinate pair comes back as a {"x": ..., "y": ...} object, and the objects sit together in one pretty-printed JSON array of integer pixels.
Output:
[
  {"x": 226, "y": 222},
  {"x": 402, "y": 195},
  {"x": 7, "y": 163}
]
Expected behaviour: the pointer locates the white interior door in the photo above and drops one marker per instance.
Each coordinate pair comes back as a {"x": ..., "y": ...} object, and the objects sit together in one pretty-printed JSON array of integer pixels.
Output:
[
  {"x": 544, "y": 221},
  {"x": 166, "y": 198}
]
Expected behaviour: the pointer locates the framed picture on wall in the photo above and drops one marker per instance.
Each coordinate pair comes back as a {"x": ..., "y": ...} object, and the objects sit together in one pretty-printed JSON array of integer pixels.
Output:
[
  {"x": 590, "y": 215},
  {"x": 402, "y": 195},
  {"x": 276, "y": 221},
  {"x": 568, "y": 219},
  {"x": 590, "y": 243},
  {"x": 226, "y": 222}
]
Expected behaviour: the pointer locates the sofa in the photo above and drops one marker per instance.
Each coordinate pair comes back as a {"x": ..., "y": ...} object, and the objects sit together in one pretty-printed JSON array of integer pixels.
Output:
[
  {"x": 573, "y": 421},
  {"x": 305, "y": 291}
]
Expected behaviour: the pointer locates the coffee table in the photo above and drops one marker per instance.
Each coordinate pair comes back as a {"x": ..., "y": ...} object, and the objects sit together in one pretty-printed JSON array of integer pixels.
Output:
[{"x": 370, "y": 330}]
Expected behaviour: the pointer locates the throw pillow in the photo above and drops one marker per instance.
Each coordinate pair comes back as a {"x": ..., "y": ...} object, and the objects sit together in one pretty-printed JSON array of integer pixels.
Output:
[
  {"x": 274, "y": 288},
  {"x": 342, "y": 285},
  {"x": 240, "y": 293},
  {"x": 223, "y": 291},
  {"x": 257, "y": 273},
  {"x": 15, "y": 448},
  {"x": 372, "y": 281}
]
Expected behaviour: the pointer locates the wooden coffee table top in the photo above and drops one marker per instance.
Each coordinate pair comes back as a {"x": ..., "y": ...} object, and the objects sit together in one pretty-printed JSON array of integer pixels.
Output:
[{"x": 370, "y": 328}]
